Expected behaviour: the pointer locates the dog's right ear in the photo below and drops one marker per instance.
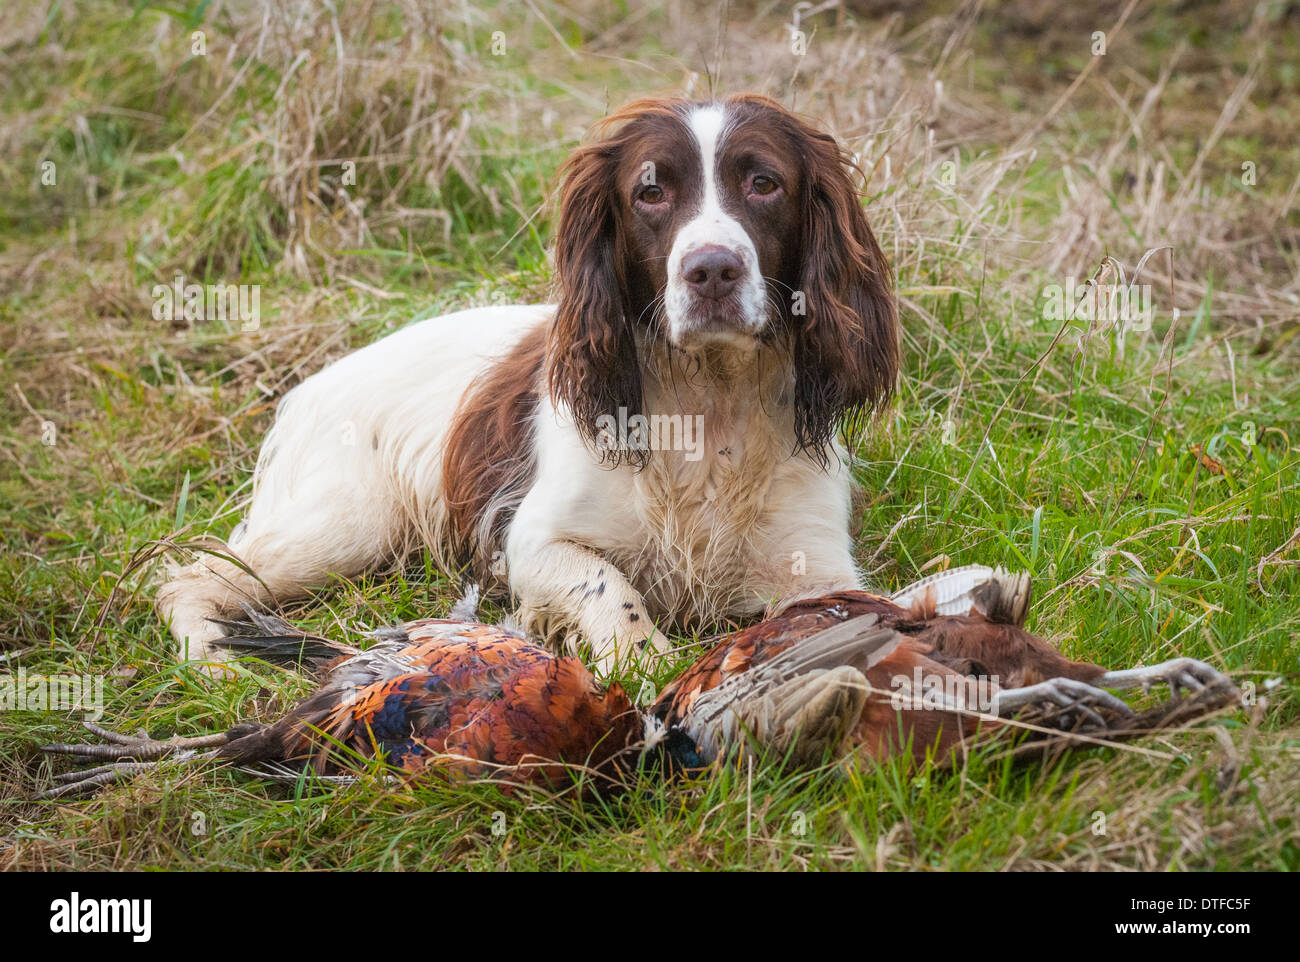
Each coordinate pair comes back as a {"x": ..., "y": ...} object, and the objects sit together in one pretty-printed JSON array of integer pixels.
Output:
[{"x": 591, "y": 358}]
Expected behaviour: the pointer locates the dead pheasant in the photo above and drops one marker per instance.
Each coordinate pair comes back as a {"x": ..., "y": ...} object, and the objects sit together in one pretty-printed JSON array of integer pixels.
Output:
[
  {"x": 449, "y": 697},
  {"x": 948, "y": 655}
]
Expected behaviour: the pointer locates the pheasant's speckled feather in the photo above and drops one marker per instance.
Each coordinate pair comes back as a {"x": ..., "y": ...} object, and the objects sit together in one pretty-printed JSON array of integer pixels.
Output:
[{"x": 797, "y": 704}]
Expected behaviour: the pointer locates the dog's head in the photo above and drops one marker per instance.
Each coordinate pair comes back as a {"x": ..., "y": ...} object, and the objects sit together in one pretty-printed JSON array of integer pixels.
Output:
[{"x": 719, "y": 223}]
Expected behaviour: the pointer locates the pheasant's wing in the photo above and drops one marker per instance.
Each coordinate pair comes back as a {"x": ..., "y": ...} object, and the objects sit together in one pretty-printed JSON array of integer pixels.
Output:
[
  {"x": 736, "y": 653},
  {"x": 729, "y": 657},
  {"x": 803, "y": 699}
]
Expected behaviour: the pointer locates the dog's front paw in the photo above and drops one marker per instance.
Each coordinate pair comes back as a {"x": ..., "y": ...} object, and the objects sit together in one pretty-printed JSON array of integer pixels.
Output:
[{"x": 627, "y": 652}]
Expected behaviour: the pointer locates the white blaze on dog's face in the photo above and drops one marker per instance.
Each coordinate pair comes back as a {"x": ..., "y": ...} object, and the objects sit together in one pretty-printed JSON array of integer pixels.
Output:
[{"x": 715, "y": 287}]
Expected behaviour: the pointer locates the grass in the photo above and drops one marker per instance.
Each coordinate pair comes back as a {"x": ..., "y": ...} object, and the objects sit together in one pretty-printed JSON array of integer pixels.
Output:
[{"x": 1066, "y": 456}]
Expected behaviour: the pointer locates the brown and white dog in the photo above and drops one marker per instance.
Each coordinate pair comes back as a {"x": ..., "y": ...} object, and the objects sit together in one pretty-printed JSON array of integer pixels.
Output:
[{"x": 657, "y": 448}]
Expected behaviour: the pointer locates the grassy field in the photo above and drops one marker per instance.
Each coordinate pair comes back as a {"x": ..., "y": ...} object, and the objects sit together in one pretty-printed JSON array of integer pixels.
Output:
[{"x": 392, "y": 160}]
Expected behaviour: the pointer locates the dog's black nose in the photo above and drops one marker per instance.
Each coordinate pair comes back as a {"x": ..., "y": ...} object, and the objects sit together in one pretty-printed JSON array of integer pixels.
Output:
[{"x": 712, "y": 271}]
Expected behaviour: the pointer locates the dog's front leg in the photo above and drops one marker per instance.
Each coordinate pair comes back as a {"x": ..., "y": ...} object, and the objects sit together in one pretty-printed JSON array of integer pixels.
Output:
[{"x": 569, "y": 594}]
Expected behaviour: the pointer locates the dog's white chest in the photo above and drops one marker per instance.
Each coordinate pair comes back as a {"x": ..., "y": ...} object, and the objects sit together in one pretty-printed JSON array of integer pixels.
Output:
[{"x": 701, "y": 528}]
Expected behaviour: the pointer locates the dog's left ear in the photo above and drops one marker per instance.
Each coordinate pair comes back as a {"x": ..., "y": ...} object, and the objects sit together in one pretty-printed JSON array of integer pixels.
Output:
[{"x": 846, "y": 342}]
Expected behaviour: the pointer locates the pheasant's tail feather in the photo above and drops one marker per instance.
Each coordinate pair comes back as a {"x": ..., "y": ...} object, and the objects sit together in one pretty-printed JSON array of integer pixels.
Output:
[
  {"x": 257, "y": 623},
  {"x": 998, "y": 594},
  {"x": 275, "y": 640},
  {"x": 1005, "y": 597}
]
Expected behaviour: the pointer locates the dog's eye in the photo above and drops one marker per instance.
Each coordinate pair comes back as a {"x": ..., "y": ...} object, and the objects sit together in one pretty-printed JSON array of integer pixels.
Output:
[
  {"x": 762, "y": 185},
  {"x": 650, "y": 194}
]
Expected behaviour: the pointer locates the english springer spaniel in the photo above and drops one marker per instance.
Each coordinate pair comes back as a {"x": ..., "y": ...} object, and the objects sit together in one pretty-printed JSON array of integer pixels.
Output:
[{"x": 657, "y": 448}]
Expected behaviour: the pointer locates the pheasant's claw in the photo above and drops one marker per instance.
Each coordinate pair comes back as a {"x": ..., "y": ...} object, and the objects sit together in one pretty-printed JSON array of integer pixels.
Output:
[
  {"x": 125, "y": 746},
  {"x": 117, "y": 745},
  {"x": 79, "y": 774},
  {"x": 75, "y": 783},
  {"x": 1074, "y": 696},
  {"x": 125, "y": 754},
  {"x": 87, "y": 752},
  {"x": 1180, "y": 674},
  {"x": 116, "y": 737}
]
